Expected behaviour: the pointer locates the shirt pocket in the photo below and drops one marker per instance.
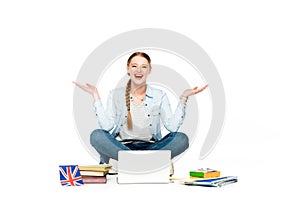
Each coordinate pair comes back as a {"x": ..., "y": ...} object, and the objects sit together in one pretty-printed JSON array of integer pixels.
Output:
[
  {"x": 156, "y": 119},
  {"x": 155, "y": 112}
]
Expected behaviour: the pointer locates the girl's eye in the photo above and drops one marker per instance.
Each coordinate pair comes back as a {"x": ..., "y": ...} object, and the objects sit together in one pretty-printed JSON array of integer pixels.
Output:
[{"x": 133, "y": 66}]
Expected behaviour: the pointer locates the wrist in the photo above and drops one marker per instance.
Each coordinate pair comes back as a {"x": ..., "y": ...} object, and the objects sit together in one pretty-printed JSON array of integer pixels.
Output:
[
  {"x": 96, "y": 96},
  {"x": 183, "y": 99}
]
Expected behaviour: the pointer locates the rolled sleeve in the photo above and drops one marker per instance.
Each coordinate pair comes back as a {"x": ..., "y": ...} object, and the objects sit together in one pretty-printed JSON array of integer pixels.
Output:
[
  {"x": 172, "y": 121},
  {"x": 104, "y": 116}
]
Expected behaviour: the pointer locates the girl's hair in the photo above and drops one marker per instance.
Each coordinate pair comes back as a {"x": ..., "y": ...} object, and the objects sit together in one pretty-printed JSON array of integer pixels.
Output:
[
  {"x": 142, "y": 54},
  {"x": 128, "y": 86}
]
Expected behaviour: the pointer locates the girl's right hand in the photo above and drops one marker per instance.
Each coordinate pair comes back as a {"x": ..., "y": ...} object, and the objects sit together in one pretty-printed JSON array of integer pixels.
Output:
[{"x": 92, "y": 90}]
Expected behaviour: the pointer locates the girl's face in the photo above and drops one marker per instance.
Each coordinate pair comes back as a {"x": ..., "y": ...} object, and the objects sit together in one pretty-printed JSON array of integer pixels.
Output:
[{"x": 138, "y": 70}]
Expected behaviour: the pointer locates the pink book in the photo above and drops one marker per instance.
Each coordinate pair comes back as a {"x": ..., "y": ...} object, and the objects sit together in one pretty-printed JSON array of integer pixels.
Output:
[{"x": 94, "y": 179}]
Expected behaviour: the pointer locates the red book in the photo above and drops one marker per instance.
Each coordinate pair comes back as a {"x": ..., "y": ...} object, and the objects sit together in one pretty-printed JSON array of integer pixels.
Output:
[{"x": 94, "y": 179}]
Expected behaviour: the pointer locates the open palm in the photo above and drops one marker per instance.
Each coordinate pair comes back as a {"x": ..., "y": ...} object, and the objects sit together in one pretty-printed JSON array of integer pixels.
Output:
[
  {"x": 195, "y": 90},
  {"x": 89, "y": 89}
]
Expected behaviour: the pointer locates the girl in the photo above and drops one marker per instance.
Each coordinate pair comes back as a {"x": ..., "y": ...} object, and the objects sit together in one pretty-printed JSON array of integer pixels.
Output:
[{"x": 132, "y": 118}]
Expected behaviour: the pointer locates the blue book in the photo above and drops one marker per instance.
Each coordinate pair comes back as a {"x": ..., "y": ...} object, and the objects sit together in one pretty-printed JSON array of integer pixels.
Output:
[{"x": 213, "y": 182}]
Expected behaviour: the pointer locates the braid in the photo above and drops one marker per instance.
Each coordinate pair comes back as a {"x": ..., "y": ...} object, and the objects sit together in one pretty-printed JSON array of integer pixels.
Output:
[{"x": 127, "y": 95}]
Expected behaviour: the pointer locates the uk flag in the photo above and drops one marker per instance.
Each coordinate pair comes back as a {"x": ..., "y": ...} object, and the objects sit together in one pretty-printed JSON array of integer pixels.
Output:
[{"x": 70, "y": 175}]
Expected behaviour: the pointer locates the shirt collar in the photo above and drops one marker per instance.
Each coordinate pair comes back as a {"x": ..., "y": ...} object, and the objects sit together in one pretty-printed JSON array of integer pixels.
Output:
[{"x": 149, "y": 91}]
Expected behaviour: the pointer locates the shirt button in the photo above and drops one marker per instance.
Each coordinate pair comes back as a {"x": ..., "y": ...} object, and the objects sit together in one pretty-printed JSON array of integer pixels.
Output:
[
  {"x": 150, "y": 124},
  {"x": 148, "y": 115},
  {"x": 145, "y": 104}
]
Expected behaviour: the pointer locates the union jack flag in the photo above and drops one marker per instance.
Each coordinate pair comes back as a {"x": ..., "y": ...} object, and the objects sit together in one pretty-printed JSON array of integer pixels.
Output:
[{"x": 70, "y": 175}]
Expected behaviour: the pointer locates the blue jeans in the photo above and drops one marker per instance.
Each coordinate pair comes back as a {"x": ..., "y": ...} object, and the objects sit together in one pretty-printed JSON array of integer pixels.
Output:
[{"x": 108, "y": 147}]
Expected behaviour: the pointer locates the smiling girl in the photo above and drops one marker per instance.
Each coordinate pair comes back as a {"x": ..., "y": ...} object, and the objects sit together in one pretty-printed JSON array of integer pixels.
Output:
[{"x": 133, "y": 115}]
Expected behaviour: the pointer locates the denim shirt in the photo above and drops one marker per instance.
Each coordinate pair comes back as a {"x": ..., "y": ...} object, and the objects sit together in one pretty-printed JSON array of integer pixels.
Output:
[{"x": 157, "y": 106}]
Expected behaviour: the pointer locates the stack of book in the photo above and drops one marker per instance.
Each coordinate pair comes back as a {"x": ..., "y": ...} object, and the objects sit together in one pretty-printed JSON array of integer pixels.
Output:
[
  {"x": 94, "y": 173},
  {"x": 209, "y": 178}
]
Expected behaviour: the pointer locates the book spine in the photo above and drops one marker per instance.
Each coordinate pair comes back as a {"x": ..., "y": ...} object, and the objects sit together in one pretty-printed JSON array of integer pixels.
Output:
[
  {"x": 94, "y": 179},
  {"x": 197, "y": 174},
  {"x": 93, "y": 173}
]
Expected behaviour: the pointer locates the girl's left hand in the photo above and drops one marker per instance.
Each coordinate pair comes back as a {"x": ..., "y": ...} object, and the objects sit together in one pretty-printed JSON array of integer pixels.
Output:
[{"x": 195, "y": 90}]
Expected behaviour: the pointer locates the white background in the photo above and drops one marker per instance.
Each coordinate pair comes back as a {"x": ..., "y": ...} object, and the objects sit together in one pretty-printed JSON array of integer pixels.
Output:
[{"x": 254, "y": 45}]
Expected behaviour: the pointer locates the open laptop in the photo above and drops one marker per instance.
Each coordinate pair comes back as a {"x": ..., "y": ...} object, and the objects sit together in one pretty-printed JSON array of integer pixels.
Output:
[{"x": 144, "y": 166}]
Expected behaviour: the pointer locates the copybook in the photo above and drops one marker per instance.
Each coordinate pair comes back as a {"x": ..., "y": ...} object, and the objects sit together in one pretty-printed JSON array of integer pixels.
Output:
[{"x": 213, "y": 182}]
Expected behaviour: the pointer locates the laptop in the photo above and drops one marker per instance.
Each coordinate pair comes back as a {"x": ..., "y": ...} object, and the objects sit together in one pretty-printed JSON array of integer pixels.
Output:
[{"x": 144, "y": 166}]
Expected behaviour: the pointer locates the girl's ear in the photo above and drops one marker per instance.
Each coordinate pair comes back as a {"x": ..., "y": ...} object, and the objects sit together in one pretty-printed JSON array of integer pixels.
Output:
[{"x": 150, "y": 69}]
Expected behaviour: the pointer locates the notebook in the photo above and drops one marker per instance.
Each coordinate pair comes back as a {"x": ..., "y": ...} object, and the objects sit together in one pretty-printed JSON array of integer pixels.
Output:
[{"x": 144, "y": 166}]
